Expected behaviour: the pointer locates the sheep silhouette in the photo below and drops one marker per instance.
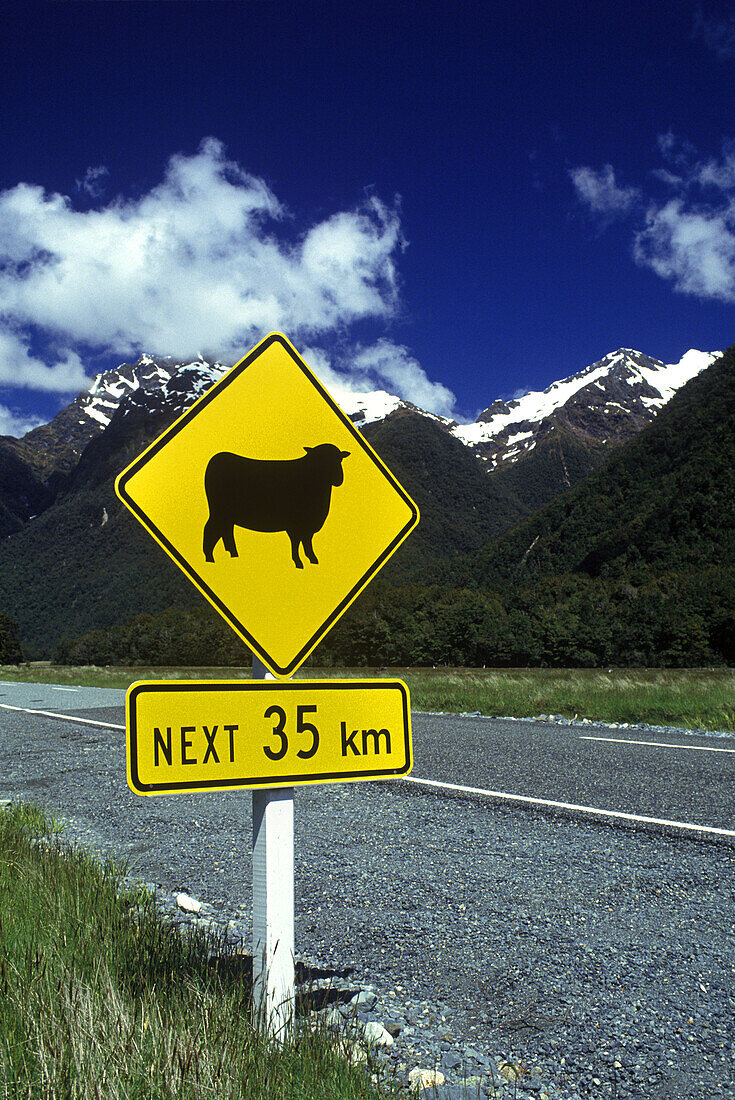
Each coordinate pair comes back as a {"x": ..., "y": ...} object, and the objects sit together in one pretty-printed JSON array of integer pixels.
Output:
[{"x": 291, "y": 495}]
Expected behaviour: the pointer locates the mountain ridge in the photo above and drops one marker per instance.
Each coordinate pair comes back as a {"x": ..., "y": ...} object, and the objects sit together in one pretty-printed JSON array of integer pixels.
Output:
[
  {"x": 83, "y": 564},
  {"x": 676, "y": 478},
  {"x": 609, "y": 401},
  {"x": 606, "y": 402}
]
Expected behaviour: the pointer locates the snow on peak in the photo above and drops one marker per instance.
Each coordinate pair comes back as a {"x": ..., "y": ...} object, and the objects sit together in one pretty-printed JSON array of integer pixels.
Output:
[
  {"x": 366, "y": 408},
  {"x": 532, "y": 407},
  {"x": 179, "y": 382},
  {"x": 652, "y": 383},
  {"x": 672, "y": 376},
  {"x": 623, "y": 382}
]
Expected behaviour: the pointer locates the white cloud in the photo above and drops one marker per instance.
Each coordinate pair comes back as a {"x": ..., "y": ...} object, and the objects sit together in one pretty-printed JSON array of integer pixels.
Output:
[
  {"x": 16, "y": 424},
  {"x": 715, "y": 172},
  {"x": 22, "y": 370},
  {"x": 689, "y": 238},
  {"x": 695, "y": 248},
  {"x": 599, "y": 191},
  {"x": 384, "y": 365},
  {"x": 207, "y": 261},
  {"x": 394, "y": 366}
]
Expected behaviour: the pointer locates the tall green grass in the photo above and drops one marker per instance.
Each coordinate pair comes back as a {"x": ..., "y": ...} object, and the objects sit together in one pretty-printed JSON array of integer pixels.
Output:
[
  {"x": 689, "y": 698},
  {"x": 101, "y": 998},
  {"x": 692, "y": 698}
]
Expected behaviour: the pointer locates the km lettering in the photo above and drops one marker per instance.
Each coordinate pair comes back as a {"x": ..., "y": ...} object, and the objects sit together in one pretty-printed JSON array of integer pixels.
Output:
[
  {"x": 187, "y": 739},
  {"x": 348, "y": 740}
]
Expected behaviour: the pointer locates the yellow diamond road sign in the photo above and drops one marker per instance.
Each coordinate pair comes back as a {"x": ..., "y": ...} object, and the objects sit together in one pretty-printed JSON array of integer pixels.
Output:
[{"x": 268, "y": 498}]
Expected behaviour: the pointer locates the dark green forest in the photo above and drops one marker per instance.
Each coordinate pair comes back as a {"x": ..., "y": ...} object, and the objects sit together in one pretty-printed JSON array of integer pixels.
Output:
[
  {"x": 86, "y": 564},
  {"x": 10, "y": 651},
  {"x": 677, "y": 620},
  {"x": 663, "y": 502},
  {"x": 634, "y": 566}
]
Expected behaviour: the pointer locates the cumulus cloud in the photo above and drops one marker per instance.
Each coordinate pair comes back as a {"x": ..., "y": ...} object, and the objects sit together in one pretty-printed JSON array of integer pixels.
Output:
[
  {"x": 687, "y": 237},
  {"x": 207, "y": 261},
  {"x": 20, "y": 369},
  {"x": 395, "y": 368},
  {"x": 16, "y": 424},
  {"x": 383, "y": 365},
  {"x": 600, "y": 192},
  {"x": 693, "y": 248}
]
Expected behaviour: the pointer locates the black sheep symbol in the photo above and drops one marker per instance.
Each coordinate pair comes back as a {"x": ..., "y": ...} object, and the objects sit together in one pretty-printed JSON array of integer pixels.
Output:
[{"x": 290, "y": 495}]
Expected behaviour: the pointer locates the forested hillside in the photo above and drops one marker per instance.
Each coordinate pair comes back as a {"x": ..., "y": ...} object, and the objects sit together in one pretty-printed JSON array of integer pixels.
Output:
[
  {"x": 636, "y": 566},
  {"x": 86, "y": 564},
  {"x": 665, "y": 501},
  {"x": 559, "y": 461},
  {"x": 632, "y": 566},
  {"x": 22, "y": 494},
  {"x": 462, "y": 509}
]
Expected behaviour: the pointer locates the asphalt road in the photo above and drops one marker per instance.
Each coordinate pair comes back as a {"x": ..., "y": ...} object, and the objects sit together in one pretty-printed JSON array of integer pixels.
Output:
[
  {"x": 598, "y": 950},
  {"x": 671, "y": 776},
  {"x": 691, "y": 782}
]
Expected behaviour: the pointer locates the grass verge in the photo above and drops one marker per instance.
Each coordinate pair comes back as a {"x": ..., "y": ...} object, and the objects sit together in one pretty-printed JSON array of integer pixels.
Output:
[
  {"x": 99, "y": 997},
  {"x": 691, "y": 698}
]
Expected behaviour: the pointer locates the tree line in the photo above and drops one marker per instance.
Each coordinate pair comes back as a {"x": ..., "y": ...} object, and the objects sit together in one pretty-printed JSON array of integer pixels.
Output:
[
  {"x": 10, "y": 651},
  {"x": 678, "y": 619}
]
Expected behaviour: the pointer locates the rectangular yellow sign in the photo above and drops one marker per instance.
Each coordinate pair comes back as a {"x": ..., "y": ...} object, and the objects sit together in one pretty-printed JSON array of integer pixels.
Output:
[{"x": 212, "y": 735}]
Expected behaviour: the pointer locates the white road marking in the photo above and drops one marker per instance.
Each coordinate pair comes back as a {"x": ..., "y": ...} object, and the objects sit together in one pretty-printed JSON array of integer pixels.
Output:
[
  {"x": 454, "y": 786},
  {"x": 655, "y": 744},
  {"x": 64, "y": 717},
  {"x": 55, "y": 687},
  {"x": 569, "y": 806}
]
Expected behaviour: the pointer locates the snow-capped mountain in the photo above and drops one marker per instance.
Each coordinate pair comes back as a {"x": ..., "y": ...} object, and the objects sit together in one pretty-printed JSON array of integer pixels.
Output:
[
  {"x": 174, "y": 386},
  {"x": 158, "y": 382},
  {"x": 607, "y": 402}
]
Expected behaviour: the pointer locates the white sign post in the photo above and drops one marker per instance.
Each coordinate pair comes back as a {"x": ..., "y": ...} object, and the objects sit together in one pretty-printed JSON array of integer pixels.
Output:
[{"x": 273, "y": 904}]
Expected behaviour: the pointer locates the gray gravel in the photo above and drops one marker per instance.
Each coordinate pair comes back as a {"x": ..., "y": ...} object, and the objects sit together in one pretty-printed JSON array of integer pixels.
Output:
[
  {"x": 640, "y": 727},
  {"x": 594, "y": 960}
]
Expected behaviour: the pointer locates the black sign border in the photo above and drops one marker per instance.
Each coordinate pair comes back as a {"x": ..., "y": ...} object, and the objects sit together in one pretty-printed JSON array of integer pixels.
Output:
[
  {"x": 271, "y": 688},
  {"x": 191, "y": 572}
]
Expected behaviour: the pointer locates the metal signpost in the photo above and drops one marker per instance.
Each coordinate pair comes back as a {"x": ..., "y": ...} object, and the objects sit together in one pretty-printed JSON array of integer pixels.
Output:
[{"x": 265, "y": 494}]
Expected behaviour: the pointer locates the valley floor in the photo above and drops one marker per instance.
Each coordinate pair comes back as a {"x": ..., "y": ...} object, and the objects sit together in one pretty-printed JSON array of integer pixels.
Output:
[{"x": 696, "y": 699}]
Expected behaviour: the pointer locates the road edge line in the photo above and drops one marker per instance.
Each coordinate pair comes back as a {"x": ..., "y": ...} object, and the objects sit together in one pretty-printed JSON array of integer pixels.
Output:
[
  {"x": 549, "y": 803},
  {"x": 63, "y": 717}
]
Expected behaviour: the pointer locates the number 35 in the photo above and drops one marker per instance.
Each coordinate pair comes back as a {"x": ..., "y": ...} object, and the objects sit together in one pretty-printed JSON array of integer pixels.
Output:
[{"x": 279, "y": 730}]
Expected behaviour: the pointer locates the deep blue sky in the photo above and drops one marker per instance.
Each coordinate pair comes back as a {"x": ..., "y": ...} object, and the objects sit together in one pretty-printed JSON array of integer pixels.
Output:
[{"x": 470, "y": 121}]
